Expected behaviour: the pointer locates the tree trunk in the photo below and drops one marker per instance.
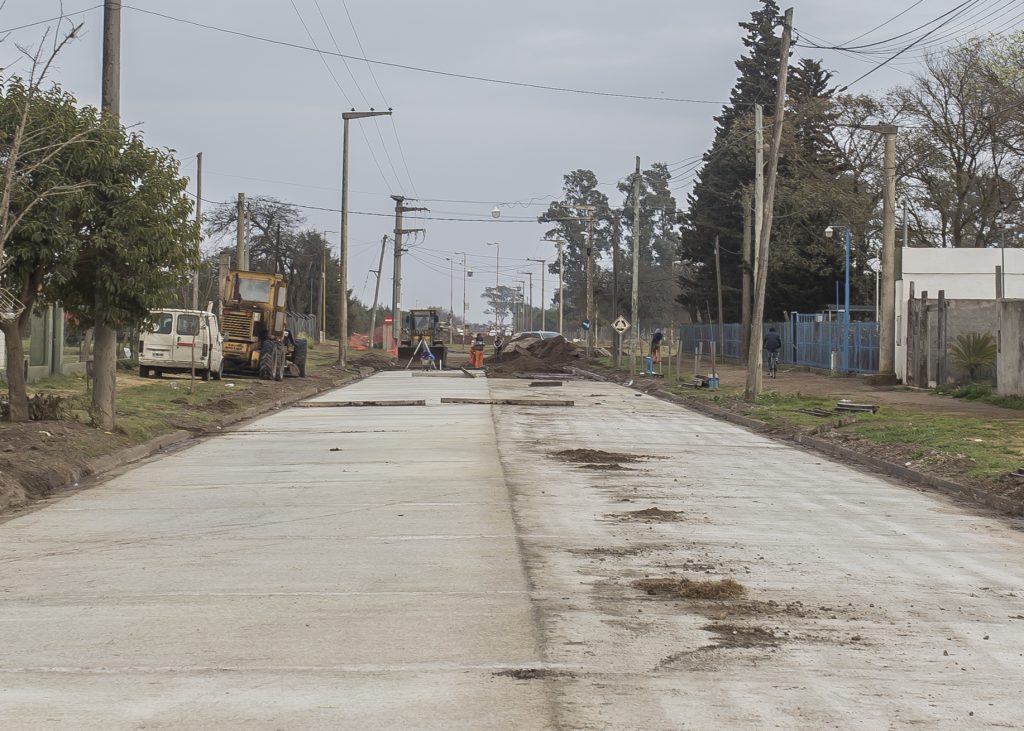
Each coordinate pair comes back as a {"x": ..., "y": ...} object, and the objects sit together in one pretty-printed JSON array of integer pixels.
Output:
[
  {"x": 104, "y": 393},
  {"x": 16, "y": 386}
]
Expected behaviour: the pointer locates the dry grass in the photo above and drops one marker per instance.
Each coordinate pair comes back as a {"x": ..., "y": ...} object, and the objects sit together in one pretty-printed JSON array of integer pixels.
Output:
[{"x": 715, "y": 589}]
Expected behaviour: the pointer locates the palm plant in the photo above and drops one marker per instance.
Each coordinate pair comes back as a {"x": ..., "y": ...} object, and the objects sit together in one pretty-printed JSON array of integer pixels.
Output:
[{"x": 973, "y": 352}]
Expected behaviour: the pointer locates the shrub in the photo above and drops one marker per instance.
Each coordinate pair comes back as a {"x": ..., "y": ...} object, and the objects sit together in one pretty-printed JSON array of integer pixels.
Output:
[{"x": 973, "y": 352}]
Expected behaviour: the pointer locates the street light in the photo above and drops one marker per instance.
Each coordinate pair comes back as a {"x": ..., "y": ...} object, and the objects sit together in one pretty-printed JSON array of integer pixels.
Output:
[
  {"x": 847, "y": 245},
  {"x": 530, "y": 275},
  {"x": 343, "y": 276},
  {"x": 495, "y": 212},
  {"x": 522, "y": 302},
  {"x": 497, "y": 268}
]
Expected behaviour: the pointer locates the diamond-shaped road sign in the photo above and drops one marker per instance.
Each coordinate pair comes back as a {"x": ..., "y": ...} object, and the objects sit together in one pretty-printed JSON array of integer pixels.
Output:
[{"x": 620, "y": 325}]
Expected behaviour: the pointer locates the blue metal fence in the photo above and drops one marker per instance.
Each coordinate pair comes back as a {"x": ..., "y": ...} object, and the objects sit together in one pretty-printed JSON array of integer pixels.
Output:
[{"x": 806, "y": 340}]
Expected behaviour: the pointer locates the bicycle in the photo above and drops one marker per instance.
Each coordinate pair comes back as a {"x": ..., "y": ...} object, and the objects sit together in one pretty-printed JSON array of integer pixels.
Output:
[{"x": 773, "y": 363}]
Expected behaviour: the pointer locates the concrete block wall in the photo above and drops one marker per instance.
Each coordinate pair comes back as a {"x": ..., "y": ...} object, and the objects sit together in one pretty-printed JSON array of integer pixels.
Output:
[{"x": 1010, "y": 364}]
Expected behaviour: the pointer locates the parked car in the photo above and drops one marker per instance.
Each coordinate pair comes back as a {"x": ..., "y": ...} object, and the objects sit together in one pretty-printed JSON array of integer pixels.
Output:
[{"x": 180, "y": 340}]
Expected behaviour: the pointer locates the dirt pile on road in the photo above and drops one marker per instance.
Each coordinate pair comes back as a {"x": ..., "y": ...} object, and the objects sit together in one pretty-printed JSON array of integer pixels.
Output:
[
  {"x": 689, "y": 589},
  {"x": 596, "y": 456},
  {"x": 533, "y": 355}
]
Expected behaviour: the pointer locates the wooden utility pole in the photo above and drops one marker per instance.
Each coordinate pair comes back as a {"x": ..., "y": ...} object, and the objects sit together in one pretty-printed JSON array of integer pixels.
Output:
[
  {"x": 396, "y": 300},
  {"x": 758, "y": 188},
  {"x": 747, "y": 273},
  {"x": 635, "y": 300},
  {"x": 240, "y": 253},
  {"x": 753, "y": 385},
  {"x": 199, "y": 222},
  {"x": 104, "y": 396},
  {"x": 376, "y": 293},
  {"x": 718, "y": 277}
]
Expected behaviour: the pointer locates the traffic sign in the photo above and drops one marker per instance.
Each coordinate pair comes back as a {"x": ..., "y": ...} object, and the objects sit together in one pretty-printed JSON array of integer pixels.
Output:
[
  {"x": 620, "y": 325},
  {"x": 585, "y": 324}
]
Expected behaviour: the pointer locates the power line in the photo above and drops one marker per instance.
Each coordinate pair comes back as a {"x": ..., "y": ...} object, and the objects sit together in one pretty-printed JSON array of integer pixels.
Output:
[{"x": 421, "y": 69}]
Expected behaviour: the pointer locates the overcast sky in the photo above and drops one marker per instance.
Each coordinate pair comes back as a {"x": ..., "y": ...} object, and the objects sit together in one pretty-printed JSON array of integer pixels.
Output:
[{"x": 267, "y": 117}]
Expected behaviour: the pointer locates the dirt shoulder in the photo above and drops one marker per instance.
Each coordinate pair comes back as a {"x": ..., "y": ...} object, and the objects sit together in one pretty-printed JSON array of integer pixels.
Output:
[
  {"x": 40, "y": 457},
  {"x": 975, "y": 445}
]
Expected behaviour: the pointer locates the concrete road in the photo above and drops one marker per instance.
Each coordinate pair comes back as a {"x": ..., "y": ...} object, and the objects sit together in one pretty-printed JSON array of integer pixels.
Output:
[
  {"x": 440, "y": 567},
  {"x": 350, "y": 568}
]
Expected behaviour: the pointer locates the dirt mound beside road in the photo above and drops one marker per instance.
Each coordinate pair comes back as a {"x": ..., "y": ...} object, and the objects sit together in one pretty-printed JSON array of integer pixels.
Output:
[{"x": 533, "y": 355}]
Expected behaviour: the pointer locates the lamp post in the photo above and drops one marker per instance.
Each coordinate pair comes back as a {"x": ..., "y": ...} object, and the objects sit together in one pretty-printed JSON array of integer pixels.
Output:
[
  {"x": 497, "y": 268},
  {"x": 529, "y": 324},
  {"x": 522, "y": 302},
  {"x": 343, "y": 276},
  {"x": 543, "y": 302},
  {"x": 847, "y": 245}
]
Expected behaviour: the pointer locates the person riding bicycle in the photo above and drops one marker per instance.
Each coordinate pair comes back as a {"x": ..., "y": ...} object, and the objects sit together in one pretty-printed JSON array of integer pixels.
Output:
[{"x": 773, "y": 344}]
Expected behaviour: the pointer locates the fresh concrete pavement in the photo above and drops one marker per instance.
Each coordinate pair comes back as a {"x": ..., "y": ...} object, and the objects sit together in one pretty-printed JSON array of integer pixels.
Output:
[{"x": 436, "y": 567}]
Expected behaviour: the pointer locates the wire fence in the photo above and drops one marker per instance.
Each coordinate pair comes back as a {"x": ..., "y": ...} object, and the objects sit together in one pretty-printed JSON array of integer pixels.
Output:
[
  {"x": 304, "y": 326},
  {"x": 806, "y": 340}
]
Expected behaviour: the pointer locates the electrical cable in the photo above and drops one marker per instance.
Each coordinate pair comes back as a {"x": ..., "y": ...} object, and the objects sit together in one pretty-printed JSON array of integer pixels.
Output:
[{"x": 422, "y": 69}]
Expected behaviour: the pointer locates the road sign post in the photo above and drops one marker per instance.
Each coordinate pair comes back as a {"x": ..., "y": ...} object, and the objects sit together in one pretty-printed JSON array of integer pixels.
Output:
[{"x": 620, "y": 326}]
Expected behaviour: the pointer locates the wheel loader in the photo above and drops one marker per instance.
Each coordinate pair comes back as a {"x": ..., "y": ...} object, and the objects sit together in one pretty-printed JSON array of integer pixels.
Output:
[
  {"x": 254, "y": 323},
  {"x": 422, "y": 333}
]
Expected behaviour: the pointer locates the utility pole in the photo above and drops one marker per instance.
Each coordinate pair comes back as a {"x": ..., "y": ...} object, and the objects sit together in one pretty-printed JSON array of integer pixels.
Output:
[
  {"x": 464, "y": 303},
  {"x": 530, "y": 310},
  {"x": 323, "y": 287},
  {"x": 343, "y": 274},
  {"x": 592, "y": 330},
  {"x": 635, "y": 302},
  {"x": 543, "y": 302},
  {"x": 104, "y": 395},
  {"x": 451, "y": 300},
  {"x": 199, "y": 222},
  {"x": 721, "y": 321},
  {"x": 887, "y": 300},
  {"x": 497, "y": 292},
  {"x": 747, "y": 273},
  {"x": 753, "y": 385},
  {"x": 240, "y": 257},
  {"x": 376, "y": 293},
  {"x": 396, "y": 294},
  {"x": 561, "y": 286},
  {"x": 758, "y": 194}
]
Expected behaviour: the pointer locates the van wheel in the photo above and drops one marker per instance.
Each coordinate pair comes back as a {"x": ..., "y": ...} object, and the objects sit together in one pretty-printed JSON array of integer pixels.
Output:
[
  {"x": 157, "y": 373},
  {"x": 205, "y": 374},
  {"x": 219, "y": 373},
  {"x": 143, "y": 372},
  {"x": 268, "y": 360}
]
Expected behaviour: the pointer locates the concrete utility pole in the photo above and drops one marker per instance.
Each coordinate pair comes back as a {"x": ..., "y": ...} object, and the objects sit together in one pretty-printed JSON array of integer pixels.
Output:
[
  {"x": 635, "y": 307},
  {"x": 343, "y": 274},
  {"x": 561, "y": 284},
  {"x": 376, "y": 293},
  {"x": 464, "y": 303},
  {"x": 887, "y": 299},
  {"x": 396, "y": 294},
  {"x": 497, "y": 292},
  {"x": 451, "y": 300},
  {"x": 616, "y": 231},
  {"x": 104, "y": 396},
  {"x": 592, "y": 331},
  {"x": 323, "y": 287},
  {"x": 543, "y": 302},
  {"x": 240, "y": 253},
  {"x": 530, "y": 310},
  {"x": 199, "y": 222},
  {"x": 753, "y": 385}
]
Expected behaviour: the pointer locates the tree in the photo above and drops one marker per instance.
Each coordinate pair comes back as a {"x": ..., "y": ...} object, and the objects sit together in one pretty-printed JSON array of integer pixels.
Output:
[
  {"x": 43, "y": 187},
  {"x": 499, "y": 302},
  {"x": 137, "y": 241},
  {"x": 965, "y": 141},
  {"x": 580, "y": 188}
]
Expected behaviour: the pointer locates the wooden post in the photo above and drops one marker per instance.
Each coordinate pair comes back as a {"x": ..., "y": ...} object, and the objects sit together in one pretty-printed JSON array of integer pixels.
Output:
[{"x": 940, "y": 363}]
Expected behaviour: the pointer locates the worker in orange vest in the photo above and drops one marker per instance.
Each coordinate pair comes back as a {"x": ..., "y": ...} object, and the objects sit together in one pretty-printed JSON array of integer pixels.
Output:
[{"x": 476, "y": 353}]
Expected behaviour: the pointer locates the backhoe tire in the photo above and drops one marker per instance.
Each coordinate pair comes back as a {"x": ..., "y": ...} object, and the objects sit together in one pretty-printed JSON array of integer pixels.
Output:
[
  {"x": 299, "y": 359},
  {"x": 143, "y": 372},
  {"x": 268, "y": 360},
  {"x": 282, "y": 361}
]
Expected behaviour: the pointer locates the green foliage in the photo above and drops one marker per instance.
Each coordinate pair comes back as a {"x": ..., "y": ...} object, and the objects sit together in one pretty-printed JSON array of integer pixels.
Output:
[
  {"x": 973, "y": 352},
  {"x": 983, "y": 392},
  {"x": 135, "y": 228}
]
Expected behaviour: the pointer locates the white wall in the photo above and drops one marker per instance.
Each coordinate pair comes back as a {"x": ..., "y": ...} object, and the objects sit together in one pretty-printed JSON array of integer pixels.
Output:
[{"x": 961, "y": 273}]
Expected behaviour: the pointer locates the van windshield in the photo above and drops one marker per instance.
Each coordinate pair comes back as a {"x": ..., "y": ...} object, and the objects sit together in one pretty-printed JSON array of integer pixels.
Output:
[
  {"x": 188, "y": 324},
  {"x": 254, "y": 290}
]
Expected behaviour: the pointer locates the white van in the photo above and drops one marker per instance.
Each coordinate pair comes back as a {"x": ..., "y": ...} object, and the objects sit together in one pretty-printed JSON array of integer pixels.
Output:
[{"x": 180, "y": 340}]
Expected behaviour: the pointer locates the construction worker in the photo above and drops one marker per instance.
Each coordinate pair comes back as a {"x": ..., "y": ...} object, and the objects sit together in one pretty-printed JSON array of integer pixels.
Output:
[
  {"x": 656, "y": 344},
  {"x": 476, "y": 352},
  {"x": 499, "y": 344}
]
